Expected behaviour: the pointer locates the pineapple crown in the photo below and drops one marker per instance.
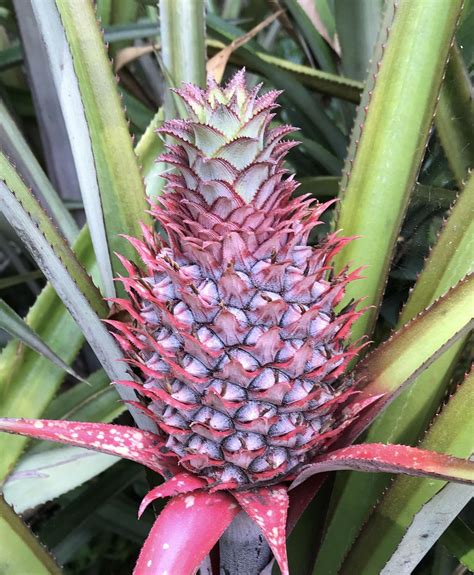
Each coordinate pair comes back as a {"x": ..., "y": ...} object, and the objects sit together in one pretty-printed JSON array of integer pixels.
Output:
[{"x": 229, "y": 192}]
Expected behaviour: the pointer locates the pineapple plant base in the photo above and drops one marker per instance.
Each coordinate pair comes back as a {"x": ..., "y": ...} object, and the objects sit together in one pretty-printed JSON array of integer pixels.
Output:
[{"x": 234, "y": 330}]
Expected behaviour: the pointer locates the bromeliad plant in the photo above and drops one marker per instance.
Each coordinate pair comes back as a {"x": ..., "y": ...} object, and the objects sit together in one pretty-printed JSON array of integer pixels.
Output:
[{"x": 235, "y": 329}]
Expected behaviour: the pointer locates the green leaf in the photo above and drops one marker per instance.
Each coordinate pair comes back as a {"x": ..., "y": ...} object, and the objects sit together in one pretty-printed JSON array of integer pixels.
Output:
[
  {"x": 69, "y": 279},
  {"x": 389, "y": 139},
  {"x": 183, "y": 54},
  {"x": 452, "y": 433},
  {"x": 21, "y": 552},
  {"x": 94, "y": 400},
  {"x": 408, "y": 416},
  {"x": 328, "y": 186},
  {"x": 358, "y": 25},
  {"x": 11, "y": 322},
  {"x": 318, "y": 46},
  {"x": 19, "y": 279},
  {"x": 449, "y": 260},
  {"x": 28, "y": 381},
  {"x": 15, "y": 146},
  {"x": 149, "y": 147},
  {"x": 323, "y": 82},
  {"x": 112, "y": 482},
  {"x": 33, "y": 226},
  {"x": 109, "y": 177},
  {"x": 455, "y": 117},
  {"x": 43, "y": 476},
  {"x": 47, "y": 105},
  {"x": 398, "y": 361},
  {"x": 459, "y": 542},
  {"x": 427, "y": 527}
]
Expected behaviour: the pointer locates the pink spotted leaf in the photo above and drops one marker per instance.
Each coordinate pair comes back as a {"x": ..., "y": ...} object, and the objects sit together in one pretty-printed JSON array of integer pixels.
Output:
[
  {"x": 268, "y": 507},
  {"x": 127, "y": 442},
  {"x": 378, "y": 457},
  {"x": 185, "y": 532}
]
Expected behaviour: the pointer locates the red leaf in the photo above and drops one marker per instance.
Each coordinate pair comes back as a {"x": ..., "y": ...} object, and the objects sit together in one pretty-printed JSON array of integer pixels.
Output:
[
  {"x": 392, "y": 459},
  {"x": 268, "y": 507},
  {"x": 127, "y": 442},
  {"x": 185, "y": 532},
  {"x": 181, "y": 483}
]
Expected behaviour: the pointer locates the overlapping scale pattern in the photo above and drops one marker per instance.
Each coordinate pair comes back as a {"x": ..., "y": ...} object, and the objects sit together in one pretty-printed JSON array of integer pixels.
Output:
[{"x": 233, "y": 325}]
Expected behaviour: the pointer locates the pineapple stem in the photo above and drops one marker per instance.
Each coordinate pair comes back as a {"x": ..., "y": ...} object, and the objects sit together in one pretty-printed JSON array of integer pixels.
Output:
[{"x": 243, "y": 549}]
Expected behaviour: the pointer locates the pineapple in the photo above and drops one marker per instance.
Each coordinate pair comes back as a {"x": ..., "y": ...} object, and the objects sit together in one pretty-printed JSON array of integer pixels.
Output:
[{"x": 234, "y": 324}]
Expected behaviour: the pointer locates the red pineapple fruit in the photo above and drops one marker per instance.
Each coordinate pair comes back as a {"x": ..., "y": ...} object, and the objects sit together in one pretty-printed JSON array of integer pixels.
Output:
[{"x": 234, "y": 321}]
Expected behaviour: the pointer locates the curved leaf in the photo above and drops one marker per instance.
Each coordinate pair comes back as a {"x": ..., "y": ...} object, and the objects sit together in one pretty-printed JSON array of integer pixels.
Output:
[
  {"x": 71, "y": 282},
  {"x": 15, "y": 146},
  {"x": 120, "y": 440},
  {"x": 408, "y": 416},
  {"x": 397, "y": 362},
  {"x": 109, "y": 178},
  {"x": 185, "y": 532},
  {"x": 28, "y": 381},
  {"x": 378, "y": 457},
  {"x": 11, "y": 322}
]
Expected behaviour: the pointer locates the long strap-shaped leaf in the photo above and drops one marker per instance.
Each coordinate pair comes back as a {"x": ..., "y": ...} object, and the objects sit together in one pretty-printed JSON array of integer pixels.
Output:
[
  {"x": 448, "y": 262},
  {"x": 389, "y": 138},
  {"x": 11, "y": 322},
  {"x": 52, "y": 130},
  {"x": 128, "y": 442},
  {"x": 459, "y": 542},
  {"x": 427, "y": 527},
  {"x": 30, "y": 222},
  {"x": 69, "y": 279},
  {"x": 109, "y": 178},
  {"x": 185, "y": 532},
  {"x": 452, "y": 432},
  {"x": 409, "y": 415},
  {"x": 379, "y": 457},
  {"x": 15, "y": 146},
  {"x": 28, "y": 381},
  {"x": 21, "y": 551},
  {"x": 396, "y": 363},
  {"x": 455, "y": 117}
]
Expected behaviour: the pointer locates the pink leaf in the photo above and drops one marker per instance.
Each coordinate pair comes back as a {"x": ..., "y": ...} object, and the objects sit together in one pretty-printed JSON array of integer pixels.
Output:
[
  {"x": 185, "y": 532},
  {"x": 391, "y": 459},
  {"x": 127, "y": 442},
  {"x": 181, "y": 483},
  {"x": 268, "y": 507}
]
